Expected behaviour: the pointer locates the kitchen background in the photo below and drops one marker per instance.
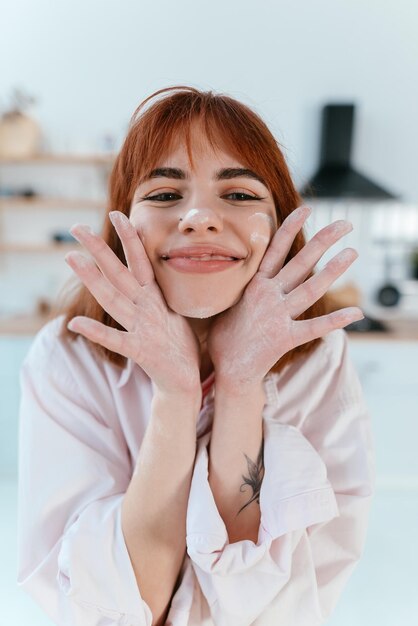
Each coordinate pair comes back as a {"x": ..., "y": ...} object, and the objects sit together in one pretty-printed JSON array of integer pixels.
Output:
[{"x": 70, "y": 78}]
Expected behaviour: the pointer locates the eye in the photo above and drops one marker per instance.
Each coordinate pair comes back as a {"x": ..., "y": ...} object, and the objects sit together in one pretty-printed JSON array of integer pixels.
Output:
[
  {"x": 242, "y": 196},
  {"x": 162, "y": 197}
]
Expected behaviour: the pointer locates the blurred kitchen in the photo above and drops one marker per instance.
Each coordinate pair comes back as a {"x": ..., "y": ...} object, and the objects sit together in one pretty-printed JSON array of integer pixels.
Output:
[{"x": 335, "y": 82}]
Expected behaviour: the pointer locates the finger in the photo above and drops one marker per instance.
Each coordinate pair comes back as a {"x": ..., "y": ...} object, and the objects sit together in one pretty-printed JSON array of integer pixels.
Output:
[
  {"x": 298, "y": 268},
  {"x": 110, "y": 338},
  {"x": 307, "y": 330},
  {"x": 304, "y": 296},
  {"x": 111, "y": 299},
  {"x": 135, "y": 254},
  {"x": 111, "y": 266},
  {"x": 282, "y": 241}
]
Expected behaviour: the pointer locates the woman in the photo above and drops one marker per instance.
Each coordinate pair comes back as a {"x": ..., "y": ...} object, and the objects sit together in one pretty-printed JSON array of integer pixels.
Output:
[{"x": 194, "y": 446}]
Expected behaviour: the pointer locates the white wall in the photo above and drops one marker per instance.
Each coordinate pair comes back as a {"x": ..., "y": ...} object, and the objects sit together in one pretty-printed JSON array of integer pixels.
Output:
[{"x": 92, "y": 61}]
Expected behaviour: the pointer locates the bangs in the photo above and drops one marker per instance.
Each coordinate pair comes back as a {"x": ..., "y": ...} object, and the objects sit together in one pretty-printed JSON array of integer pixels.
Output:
[{"x": 236, "y": 131}]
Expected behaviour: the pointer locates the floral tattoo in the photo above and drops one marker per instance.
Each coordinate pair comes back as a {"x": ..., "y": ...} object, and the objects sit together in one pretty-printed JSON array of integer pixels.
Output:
[{"x": 255, "y": 478}]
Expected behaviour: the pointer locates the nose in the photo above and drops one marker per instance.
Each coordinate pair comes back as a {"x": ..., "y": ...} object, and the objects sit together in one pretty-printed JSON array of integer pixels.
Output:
[{"x": 200, "y": 221}]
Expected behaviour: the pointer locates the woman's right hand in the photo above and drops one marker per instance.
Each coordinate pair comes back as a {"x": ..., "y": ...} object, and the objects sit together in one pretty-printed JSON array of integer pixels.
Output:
[{"x": 157, "y": 338}]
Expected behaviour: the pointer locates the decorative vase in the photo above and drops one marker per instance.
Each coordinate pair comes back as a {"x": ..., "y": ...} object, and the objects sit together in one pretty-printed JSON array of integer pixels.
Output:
[{"x": 20, "y": 136}]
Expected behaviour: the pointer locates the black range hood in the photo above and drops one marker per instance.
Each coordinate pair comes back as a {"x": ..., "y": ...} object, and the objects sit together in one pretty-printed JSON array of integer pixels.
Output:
[{"x": 336, "y": 178}]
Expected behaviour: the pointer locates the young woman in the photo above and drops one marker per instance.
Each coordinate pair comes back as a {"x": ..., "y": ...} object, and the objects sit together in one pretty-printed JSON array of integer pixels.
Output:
[{"x": 194, "y": 446}]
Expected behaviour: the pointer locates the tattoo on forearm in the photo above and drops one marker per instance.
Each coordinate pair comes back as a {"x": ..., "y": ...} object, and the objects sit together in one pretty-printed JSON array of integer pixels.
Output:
[{"x": 255, "y": 478}]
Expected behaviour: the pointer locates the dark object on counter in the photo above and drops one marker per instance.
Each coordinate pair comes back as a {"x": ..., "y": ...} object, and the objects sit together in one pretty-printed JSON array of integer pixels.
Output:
[
  {"x": 28, "y": 192},
  {"x": 388, "y": 295},
  {"x": 414, "y": 263},
  {"x": 63, "y": 237},
  {"x": 336, "y": 178},
  {"x": 367, "y": 325}
]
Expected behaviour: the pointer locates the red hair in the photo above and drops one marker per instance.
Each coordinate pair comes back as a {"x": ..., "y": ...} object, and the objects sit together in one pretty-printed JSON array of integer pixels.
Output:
[{"x": 228, "y": 124}]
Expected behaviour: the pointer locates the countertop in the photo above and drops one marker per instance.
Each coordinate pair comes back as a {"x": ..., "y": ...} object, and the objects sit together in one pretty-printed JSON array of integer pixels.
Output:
[{"x": 400, "y": 330}]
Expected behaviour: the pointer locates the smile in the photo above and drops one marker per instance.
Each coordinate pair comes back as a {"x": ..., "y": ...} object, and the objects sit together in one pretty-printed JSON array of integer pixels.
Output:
[{"x": 202, "y": 264}]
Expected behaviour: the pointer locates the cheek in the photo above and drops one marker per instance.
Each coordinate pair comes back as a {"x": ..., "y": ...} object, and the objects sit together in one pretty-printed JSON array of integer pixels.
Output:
[
  {"x": 146, "y": 233},
  {"x": 261, "y": 228},
  {"x": 141, "y": 227}
]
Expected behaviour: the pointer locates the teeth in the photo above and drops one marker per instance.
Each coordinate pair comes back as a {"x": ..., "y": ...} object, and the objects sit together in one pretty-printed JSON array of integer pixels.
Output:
[
  {"x": 206, "y": 257},
  {"x": 210, "y": 257}
]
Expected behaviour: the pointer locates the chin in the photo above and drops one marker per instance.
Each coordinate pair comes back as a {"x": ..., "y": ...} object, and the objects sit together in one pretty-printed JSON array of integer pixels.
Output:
[
  {"x": 196, "y": 310},
  {"x": 201, "y": 309}
]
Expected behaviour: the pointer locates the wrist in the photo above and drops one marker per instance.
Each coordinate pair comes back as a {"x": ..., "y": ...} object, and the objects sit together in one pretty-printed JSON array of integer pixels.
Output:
[
  {"x": 185, "y": 397},
  {"x": 185, "y": 386},
  {"x": 239, "y": 389}
]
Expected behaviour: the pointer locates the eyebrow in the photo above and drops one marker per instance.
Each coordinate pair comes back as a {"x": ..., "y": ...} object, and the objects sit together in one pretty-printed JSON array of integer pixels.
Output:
[{"x": 222, "y": 174}]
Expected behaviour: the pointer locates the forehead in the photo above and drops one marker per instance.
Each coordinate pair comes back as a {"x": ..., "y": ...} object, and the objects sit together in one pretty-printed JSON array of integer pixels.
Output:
[
  {"x": 190, "y": 149},
  {"x": 199, "y": 146}
]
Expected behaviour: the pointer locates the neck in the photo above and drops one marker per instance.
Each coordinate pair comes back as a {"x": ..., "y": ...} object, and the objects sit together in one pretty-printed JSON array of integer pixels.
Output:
[{"x": 200, "y": 327}]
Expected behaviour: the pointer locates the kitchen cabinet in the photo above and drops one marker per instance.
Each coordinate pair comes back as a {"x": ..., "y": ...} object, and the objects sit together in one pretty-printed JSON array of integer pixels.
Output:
[{"x": 388, "y": 372}]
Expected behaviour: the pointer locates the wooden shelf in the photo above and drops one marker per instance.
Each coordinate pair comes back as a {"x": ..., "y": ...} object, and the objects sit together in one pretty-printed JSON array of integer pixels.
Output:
[
  {"x": 38, "y": 247},
  {"x": 22, "y": 324},
  {"x": 399, "y": 329},
  {"x": 43, "y": 244},
  {"x": 50, "y": 203},
  {"x": 63, "y": 159}
]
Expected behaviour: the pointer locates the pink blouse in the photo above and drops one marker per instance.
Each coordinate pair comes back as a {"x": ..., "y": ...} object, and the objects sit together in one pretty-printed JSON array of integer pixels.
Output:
[{"x": 82, "y": 421}]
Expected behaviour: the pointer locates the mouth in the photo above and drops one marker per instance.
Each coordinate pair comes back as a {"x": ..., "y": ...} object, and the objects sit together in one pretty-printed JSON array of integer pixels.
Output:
[
  {"x": 201, "y": 264},
  {"x": 203, "y": 252},
  {"x": 203, "y": 257}
]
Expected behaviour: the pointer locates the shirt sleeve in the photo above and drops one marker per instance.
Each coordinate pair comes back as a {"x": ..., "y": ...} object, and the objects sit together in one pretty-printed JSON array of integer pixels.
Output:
[
  {"x": 73, "y": 474},
  {"x": 314, "y": 503}
]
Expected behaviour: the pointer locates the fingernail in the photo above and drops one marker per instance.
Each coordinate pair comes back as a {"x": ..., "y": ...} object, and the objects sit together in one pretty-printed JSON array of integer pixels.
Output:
[
  {"x": 306, "y": 208},
  {"x": 85, "y": 228},
  {"x": 302, "y": 210},
  {"x": 355, "y": 311},
  {"x": 77, "y": 258},
  {"x": 348, "y": 254},
  {"x": 343, "y": 225},
  {"x": 117, "y": 217}
]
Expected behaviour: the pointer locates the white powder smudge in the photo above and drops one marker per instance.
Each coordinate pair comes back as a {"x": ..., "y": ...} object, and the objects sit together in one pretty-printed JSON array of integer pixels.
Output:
[
  {"x": 192, "y": 213},
  {"x": 262, "y": 220},
  {"x": 255, "y": 237},
  {"x": 263, "y": 216}
]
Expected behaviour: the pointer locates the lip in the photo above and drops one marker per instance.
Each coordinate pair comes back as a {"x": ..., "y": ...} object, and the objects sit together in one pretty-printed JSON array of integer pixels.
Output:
[
  {"x": 202, "y": 250},
  {"x": 193, "y": 266}
]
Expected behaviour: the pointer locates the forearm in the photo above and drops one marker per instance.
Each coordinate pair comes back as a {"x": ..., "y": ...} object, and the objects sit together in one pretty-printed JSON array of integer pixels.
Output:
[
  {"x": 236, "y": 467},
  {"x": 155, "y": 505}
]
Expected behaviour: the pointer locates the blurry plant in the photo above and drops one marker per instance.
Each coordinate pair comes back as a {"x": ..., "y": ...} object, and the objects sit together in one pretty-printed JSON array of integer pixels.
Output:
[{"x": 20, "y": 102}]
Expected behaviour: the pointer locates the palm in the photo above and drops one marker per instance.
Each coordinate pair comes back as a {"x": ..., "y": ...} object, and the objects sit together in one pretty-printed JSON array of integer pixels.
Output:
[
  {"x": 247, "y": 340},
  {"x": 158, "y": 339}
]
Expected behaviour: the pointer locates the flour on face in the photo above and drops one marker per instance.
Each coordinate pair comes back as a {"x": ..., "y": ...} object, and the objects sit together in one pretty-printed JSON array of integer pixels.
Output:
[{"x": 262, "y": 226}]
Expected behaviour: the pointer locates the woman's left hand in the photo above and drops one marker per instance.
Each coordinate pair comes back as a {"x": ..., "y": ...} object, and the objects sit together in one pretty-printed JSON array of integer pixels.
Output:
[{"x": 245, "y": 341}]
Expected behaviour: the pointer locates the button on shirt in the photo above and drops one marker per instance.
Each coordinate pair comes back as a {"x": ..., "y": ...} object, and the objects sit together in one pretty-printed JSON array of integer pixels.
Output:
[{"x": 82, "y": 421}]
